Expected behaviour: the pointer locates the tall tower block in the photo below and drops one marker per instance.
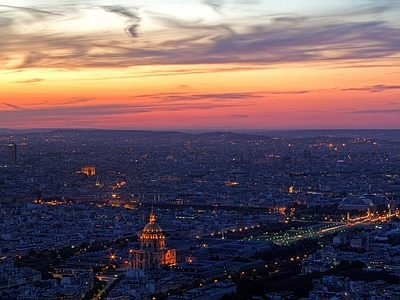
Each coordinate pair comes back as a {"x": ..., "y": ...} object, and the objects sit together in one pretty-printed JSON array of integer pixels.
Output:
[{"x": 12, "y": 153}]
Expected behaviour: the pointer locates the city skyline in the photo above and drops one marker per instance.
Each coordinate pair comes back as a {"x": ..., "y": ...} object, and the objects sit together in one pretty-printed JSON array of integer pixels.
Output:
[{"x": 206, "y": 65}]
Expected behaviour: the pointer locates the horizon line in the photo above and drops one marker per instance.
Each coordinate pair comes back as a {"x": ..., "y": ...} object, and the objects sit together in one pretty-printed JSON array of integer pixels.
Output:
[{"x": 204, "y": 130}]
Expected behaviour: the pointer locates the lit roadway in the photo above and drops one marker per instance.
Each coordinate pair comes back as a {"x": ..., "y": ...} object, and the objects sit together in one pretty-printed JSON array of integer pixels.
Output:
[
  {"x": 314, "y": 231},
  {"x": 294, "y": 235},
  {"x": 109, "y": 278}
]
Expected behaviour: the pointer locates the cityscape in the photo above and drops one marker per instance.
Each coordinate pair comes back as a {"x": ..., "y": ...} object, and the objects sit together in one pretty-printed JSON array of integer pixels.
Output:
[
  {"x": 106, "y": 214},
  {"x": 199, "y": 150}
]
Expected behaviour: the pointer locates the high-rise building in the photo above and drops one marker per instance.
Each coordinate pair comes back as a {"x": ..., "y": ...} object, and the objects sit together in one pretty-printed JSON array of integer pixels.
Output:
[{"x": 12, "y": 153}]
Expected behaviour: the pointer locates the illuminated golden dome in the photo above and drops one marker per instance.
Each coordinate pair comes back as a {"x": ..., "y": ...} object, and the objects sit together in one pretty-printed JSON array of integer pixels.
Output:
[
  {"x": 153, "y": 254},
  {"x": 152, "y": 226}
]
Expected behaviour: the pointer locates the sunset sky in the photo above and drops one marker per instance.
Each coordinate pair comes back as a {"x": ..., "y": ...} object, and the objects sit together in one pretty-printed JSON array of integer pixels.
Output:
[{"x": 192, "y": 64}]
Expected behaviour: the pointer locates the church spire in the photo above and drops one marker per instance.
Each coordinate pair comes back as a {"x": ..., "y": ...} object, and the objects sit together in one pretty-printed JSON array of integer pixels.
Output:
[{"x": 153, "y": 218}]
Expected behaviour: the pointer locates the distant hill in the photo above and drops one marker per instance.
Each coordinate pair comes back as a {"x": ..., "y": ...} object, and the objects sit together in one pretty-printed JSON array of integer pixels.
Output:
[
  {"x": 367, "y": 133},
  {"x": 241, "y": 134},
  {"x": 23, "y": 131},
  {"x": 234, "y": 136},
  {"x": 104, "y": 133}
]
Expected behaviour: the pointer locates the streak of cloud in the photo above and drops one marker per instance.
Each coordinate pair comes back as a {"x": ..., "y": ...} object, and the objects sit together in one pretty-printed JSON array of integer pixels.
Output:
[
  {"x": 376, "y": 111},
  {"x": 287, "y": 92},
  {"x": 33, "y": 80},
  {"x": 190, "y": 98},
  {"x": 122, "y": 11},
  {"x": 78, "y": 100},
  {"x": 240, "y": 116},
  {"x": 159, "y": 103},
  {"x": 374, "y": 88},
  {"x": 15, "y": 107}
]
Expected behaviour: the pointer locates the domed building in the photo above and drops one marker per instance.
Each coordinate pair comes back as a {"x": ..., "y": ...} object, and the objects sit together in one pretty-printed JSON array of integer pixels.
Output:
[{"x": 153, "y": 254}]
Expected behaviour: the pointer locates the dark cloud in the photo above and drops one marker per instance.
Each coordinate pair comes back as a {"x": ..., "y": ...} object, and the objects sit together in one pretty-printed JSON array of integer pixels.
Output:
[
  {"x": 273, "y": 45},
  {"x": 122, "y": 11},
  {"x": 374, "y": 88},
  {"x": 214, "y": 4},
  {"x": 14, "y": 106},
  {"x": 131, "y": 30},
  {"x": 308, "y": 43}
]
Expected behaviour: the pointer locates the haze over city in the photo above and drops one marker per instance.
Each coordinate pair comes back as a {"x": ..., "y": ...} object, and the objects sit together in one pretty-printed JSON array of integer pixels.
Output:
[{"x": 207, "y": 65}]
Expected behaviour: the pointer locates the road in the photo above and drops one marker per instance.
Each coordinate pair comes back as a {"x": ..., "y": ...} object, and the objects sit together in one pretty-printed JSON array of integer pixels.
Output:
[
  {"x": 314, "y": 231},
  {"x": 109, "y": 278}
]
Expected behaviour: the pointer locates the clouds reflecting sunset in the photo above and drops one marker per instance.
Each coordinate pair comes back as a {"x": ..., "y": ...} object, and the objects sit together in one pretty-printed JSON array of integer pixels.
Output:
[{"x": 210, "y": 65}]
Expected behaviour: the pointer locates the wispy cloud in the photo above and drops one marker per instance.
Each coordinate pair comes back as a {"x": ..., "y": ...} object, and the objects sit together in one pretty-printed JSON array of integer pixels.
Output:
[
  {"x": 134, "y": 19},
  {"x": 120, "y": 10},
  {"x": 376, "y": 111},
  {"x": 163, "y": 102},
  {"x": 374, "y": 88},
  {"x": 240, "y": 116},
  {"x": 265, "y": 40},
  {"x": 38, "y": 13},
  {"x": 287, "y": 92},
  {"x": 213, "y": 97},
  {"x": 33, "y": 80},
  {"x": 14, "y": 106},
  {"x": 78, "y": 100}
]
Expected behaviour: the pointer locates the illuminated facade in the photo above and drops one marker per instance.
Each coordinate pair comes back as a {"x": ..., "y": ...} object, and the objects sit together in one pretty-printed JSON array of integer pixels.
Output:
[
  {"x": 153, "y": 254},
  {"x": 89, "y": 170}
]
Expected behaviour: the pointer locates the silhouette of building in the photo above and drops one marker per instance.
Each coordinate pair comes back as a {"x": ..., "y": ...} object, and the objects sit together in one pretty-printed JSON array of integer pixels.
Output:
[
  {"x": 12, "y": 153},
  {"x": 153, "y": 253}
]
